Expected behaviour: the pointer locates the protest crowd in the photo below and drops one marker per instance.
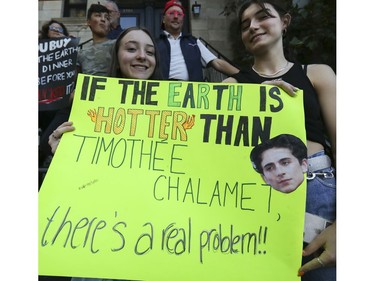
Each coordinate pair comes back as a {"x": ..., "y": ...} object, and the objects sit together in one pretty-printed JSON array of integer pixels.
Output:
[{"x": 114, "y": 51}]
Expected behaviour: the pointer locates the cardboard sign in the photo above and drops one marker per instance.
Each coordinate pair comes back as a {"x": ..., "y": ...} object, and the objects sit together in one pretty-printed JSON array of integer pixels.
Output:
[
  {"x": 156, "y": 183},
  {"x": 57, "y": 71}
]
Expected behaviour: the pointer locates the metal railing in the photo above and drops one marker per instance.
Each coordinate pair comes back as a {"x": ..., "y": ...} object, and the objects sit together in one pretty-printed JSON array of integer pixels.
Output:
[{"x": 211, "y": 74}]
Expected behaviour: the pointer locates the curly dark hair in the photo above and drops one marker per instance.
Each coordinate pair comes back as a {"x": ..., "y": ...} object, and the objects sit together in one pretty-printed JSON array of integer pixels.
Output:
[{"x": 45, "y": 28}]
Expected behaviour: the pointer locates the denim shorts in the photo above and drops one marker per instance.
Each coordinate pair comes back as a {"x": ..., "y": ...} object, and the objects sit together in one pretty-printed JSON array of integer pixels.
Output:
[
  {"x": 321, "y": 194},
  {"x": 321, "y": 201}
]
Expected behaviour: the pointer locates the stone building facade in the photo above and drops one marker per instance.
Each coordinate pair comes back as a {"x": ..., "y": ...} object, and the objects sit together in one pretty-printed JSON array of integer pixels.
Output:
[{"x": 211, "y": 25}]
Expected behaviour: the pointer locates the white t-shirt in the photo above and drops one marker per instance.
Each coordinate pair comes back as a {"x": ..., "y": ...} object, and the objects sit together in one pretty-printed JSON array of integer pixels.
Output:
[{"x": 178, "y": 69}]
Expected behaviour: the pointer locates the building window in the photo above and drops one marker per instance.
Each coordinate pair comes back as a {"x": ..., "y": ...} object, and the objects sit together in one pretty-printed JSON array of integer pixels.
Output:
[
  {"x": 129, "y": 20},
  {"x": 75, "y": 8}
]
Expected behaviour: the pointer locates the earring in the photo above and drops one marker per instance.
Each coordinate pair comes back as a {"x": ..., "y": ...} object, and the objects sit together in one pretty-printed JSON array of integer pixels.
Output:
[{"x": 284, "y": 32}]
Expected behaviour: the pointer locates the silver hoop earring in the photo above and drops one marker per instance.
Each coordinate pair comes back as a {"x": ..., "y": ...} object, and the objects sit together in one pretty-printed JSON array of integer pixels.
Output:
[{"x": 284, "y": 32}]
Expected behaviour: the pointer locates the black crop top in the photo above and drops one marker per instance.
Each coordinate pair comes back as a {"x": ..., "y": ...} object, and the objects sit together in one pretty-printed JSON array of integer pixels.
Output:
[{"x": 315, "y": 129}]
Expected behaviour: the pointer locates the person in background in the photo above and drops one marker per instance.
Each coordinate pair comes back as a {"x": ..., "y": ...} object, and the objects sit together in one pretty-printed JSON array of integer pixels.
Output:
[
  {"x": 50, "y": 30},
  {"x": 263, "y": 25},
  {"x": 94, "y": 58},
  {"x": 53, "y": 29},
  {"x": 114, "y": 17},
  {"x": 182, "y": 55}
]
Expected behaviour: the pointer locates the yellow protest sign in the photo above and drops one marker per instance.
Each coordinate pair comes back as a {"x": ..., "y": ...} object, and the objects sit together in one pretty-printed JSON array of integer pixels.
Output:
[{"x": 156, "y": 183}]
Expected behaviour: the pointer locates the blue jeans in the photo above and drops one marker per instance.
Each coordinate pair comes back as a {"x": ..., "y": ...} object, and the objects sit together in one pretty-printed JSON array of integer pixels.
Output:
[{"x": 321, "y": 201}]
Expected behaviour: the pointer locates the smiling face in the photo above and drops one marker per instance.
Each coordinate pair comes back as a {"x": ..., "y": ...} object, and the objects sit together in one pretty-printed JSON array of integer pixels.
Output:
[
  {"x": 260, "y": 30},
  {"x": 136, "y": 55},
  {"x": 282, "y": 170},
  {"x": 173, "y": 19}
]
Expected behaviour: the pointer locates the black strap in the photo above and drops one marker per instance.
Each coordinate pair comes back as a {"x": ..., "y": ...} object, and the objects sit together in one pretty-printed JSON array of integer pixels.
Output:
[{"x": 304, "y": 67}]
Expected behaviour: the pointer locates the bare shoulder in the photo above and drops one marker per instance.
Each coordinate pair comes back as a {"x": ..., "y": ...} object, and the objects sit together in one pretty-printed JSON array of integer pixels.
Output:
[
  {"x": 323, "y": 79},
  {"x": 229, "y": 80},
  {"x": 320, "y": 74},
  {"x": 317, "y": 70}
]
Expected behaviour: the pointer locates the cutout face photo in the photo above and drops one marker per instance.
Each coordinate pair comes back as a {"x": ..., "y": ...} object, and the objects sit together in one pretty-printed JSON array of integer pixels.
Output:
[
  {"x": 281, "y": 161},
  {"x": 282, "y": 170}
]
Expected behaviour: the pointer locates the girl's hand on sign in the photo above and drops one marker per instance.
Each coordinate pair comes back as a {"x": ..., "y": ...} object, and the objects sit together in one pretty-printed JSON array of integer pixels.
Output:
[
  {"x": 54, "y": 138},
  {"x": 288, "y": 88}
]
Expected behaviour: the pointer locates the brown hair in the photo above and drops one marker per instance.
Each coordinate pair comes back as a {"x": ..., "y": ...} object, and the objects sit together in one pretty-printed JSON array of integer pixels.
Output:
[{"x": 114, "y": 70}]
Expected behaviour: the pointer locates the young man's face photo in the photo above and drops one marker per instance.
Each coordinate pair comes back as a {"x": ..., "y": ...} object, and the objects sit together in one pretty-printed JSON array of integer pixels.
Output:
[{"x": 282, "y": 170}]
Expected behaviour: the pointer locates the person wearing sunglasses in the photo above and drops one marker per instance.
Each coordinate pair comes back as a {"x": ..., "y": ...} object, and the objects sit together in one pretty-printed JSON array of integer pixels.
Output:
[
  {"x": 182, "y": 55},
  {"x": 53, "y": 29},
  {"x": 94, "y": 58}
]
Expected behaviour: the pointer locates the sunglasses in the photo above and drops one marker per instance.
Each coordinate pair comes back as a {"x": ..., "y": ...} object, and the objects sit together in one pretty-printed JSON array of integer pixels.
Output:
[
  {"x": 175, "y": 13},
  {"x": 57, "y": 29}
]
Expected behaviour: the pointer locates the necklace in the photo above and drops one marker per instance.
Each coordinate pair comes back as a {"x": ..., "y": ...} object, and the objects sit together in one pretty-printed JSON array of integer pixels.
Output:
[{"x": 273, "y": 74}]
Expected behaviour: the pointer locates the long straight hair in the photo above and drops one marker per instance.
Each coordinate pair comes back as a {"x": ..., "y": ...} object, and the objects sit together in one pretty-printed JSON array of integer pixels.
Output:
[{"x": 115, "y": 71}]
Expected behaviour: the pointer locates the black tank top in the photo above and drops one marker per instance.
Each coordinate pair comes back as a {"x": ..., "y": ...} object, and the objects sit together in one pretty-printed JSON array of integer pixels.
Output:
[{"x": 315, "y": 129}]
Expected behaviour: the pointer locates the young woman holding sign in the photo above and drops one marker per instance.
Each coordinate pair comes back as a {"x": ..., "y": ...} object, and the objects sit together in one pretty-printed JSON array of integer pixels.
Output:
[
  {"x": 263, "y": 25},
  {"x": 134, "y": 56}
]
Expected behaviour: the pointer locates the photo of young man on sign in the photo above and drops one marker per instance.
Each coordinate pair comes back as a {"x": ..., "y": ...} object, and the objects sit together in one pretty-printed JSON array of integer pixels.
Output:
[{"x": 281, "y": 161}]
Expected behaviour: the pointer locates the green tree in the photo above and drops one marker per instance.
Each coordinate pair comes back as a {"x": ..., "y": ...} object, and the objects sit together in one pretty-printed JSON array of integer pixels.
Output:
[{"x": 311, "y": 37}]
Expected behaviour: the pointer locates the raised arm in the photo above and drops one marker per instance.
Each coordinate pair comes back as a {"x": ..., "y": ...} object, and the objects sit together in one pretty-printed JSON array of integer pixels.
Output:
[{"x": 223, "y": 66}]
